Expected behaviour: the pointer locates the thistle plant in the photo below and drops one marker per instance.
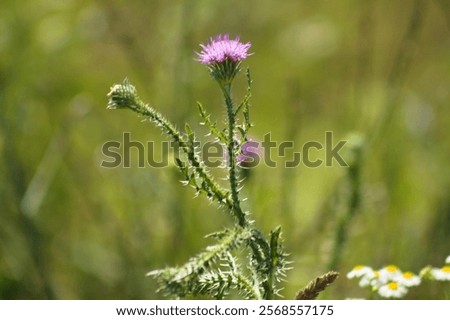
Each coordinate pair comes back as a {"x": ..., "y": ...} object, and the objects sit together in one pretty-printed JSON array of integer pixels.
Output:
[{"x": 221, "y": 268}]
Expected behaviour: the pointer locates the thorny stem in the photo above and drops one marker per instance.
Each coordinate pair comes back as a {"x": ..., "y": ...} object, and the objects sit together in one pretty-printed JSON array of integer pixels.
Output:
[
  {"x": 271, "y": 259},
  {"x": 232, "y": 170},
  {"x": 234, "y": 183},
  {"x": 248, "y": 287},
  {"x": 274, "y": 261}
]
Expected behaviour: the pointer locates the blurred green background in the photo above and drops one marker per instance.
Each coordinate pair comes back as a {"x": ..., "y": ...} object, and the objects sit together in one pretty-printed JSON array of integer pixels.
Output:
[{"x": 70, "y": 229}]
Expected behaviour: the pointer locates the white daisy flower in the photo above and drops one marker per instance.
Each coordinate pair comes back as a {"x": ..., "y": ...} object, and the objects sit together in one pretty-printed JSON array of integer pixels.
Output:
[
  {"x": 390, "y": 273},
  {"x": 442, "y": 274},
  {"x": 378, "y": 280},
  {"x": 409, "y": 279},
  {"x": 371, "y": 279},
  {"x": 367, "y": 279},
  {"x": 392, "y": 290},
  {"x": 359, "y": 271},
  {"x": 447, "y": 260}
]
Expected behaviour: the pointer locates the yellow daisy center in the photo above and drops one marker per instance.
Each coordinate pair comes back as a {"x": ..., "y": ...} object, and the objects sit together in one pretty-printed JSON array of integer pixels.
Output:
[
  {"x": 393, "y": 285},
  {"x": 358, "y": 267},
  {"x": 408, "y": 275},
  {"x": 391, "y": 268},
  {"x": 446, "y": 269}
]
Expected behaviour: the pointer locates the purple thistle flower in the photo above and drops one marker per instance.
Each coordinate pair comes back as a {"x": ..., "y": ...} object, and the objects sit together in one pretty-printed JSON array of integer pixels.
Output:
[
  {"x": 250, "y": 154},
  {"x": 222, "y": 48}
]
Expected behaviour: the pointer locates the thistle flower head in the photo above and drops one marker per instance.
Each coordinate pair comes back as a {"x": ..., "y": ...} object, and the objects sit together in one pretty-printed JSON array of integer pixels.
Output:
[
  {"x": 223, "y": 56},
  {"x": 122, "y": 96},
  {"x": 222, "y": 48}
]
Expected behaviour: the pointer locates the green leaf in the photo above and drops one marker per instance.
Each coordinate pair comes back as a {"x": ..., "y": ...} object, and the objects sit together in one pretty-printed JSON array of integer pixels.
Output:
[
  {"x": 180, "y": 281},
  {"x": 210, "y": 125}
]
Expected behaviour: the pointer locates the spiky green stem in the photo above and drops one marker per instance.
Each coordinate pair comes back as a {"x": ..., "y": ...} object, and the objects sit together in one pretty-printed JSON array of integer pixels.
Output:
[{"x": 231, "y": 147}]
